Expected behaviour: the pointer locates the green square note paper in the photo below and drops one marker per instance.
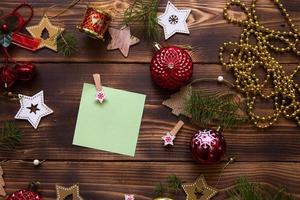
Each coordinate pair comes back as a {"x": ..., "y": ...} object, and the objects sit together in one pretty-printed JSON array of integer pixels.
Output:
[{"x": 111, "y": 126}]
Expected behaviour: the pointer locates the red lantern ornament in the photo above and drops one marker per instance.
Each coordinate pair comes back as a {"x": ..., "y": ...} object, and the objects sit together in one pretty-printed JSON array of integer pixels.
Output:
[
  {"x": 171, "y": 67},
  {"x": 25, "y": 71},
  {"x": 208, "y": 146},
  {"x": 7, "y": 77}
]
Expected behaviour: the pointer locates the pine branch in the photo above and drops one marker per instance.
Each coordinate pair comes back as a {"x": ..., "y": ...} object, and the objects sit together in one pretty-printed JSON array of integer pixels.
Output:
[
  {"x": 174, "y": 184},
  {"x": 213, "y": 108},
  {"x": 10, "y": 136},
  {"x": 244, "y": 190},
  {"x": 66, "y": 43},
  {"x": 145, "y": 13},
  {"x": 159, "y": 189}
]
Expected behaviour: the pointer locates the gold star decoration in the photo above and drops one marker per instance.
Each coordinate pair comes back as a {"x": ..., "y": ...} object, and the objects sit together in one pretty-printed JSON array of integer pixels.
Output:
[
  {"x": 62, "y": 192},
  {"x": 121, "y": 39},
  {"x": 199, "y": 187},
  {"x": 53, "y": 33}
]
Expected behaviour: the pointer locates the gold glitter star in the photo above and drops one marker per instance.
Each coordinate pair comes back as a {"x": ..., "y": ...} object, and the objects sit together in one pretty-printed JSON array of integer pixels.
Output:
[
  {"x": 53, "y": 32},
  {"x": 62, "y": 192},
  {"x": 199, "y": 187}
]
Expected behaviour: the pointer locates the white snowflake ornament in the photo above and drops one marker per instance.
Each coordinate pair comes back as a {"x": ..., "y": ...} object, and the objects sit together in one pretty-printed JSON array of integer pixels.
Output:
[
  {"x": 174, "y": 20},
  {"x": 33, "y": 108}
]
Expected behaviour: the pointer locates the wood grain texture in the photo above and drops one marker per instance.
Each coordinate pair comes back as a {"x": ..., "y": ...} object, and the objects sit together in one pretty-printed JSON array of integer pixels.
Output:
[
  {"x": 269, "y": 156},
  {"x": 207, "y": 26},
  {"x": 62, "y": 85},
  {"x": 111, "y": 180}
]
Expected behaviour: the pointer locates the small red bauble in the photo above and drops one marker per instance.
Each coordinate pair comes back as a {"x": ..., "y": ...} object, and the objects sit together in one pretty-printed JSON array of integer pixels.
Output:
[
  {"x": 208, "y": 146},
  {"x": 25, "y": 71},
  {"x": 4, "y": 28},
  {"x": 7, "y": 77},
  {"x": 24, "y": 195},
  {"x": 171, "y": 67}
]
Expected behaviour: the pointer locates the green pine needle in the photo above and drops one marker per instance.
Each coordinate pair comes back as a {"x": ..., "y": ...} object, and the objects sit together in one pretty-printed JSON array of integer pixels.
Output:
[
  {"x": 174, "y": 184},
  {"x": 66, "y": 44},
  {"x": 209, "y": 108},
  {"x": 10, "y": 136},
  {"x": 145, "y": 13},
  {"x": 172, "y": 187},
  {"x": 159, "y": 189},
  {"x": 244, "y": 190}
]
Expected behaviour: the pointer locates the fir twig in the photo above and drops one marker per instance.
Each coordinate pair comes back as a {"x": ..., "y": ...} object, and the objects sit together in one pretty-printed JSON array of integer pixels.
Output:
[
  {"x": 213, "y": 108},
  {"x": 244, "y": 190},
  {"x": 172, "y": 187},
  {"x": 66, "y": 43},
  {"x": 145, "y": 13},
  {"x": 10, "y": 136},
  {"x": 174, "y": 183},
  {"x": 159, "y": 189}
]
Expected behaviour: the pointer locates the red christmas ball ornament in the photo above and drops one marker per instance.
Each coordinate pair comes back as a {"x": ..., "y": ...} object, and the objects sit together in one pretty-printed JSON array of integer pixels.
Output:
[
  {"x": 171, "y": 67},
  {"x": 4, "y": 28},
  {"x": 28, "y": 194},
  {"x": 7, "y": 77},
  {"x": 25, "y": 71},
  {"x": 24, "y": 195},
  {"x": 208, "y": 146}
]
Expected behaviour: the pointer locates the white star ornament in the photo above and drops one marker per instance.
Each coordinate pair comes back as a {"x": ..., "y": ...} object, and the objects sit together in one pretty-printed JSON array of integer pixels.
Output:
[
  {"x": 33, "y": 108},
  {"x": 174, "y": 20}
]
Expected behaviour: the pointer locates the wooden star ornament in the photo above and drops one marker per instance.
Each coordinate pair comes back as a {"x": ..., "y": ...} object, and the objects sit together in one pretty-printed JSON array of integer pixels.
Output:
[
  {"x": 63, "y": 192},
  {"x": 122, "y": 40},
  {"x": 53, "y": 33},
  {"x": 199, "y": 187}
]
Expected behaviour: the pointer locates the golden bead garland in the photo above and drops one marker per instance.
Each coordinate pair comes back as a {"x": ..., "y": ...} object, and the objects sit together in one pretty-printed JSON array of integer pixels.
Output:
[{"x": 245, "y": 56}]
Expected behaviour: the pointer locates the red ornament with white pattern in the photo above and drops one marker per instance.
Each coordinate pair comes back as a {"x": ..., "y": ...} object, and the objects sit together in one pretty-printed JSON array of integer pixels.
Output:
[
  {"x": 171, "y": 67},
  {"x": 208, "y": 146},
  {"x": 29, "y": 194}
]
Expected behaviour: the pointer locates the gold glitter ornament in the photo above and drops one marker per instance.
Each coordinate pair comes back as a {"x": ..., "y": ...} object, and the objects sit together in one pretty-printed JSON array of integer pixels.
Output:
[
  {"x": 246, "y": 56},
  {"x": 36, "y": 31},
  {"x": 63, "y": 192},
  {"x": 199, "y": 186}
]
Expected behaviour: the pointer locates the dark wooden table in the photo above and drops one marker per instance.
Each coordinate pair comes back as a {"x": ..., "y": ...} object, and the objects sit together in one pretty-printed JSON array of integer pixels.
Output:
[{"x": 269, "y": 156}]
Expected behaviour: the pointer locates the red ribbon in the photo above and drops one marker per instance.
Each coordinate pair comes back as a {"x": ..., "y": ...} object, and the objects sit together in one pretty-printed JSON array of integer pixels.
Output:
[{"x": 19, "y": 38}]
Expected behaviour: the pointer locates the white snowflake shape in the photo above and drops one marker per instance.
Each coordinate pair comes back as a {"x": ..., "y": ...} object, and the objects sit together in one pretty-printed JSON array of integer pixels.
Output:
[{"x": 206, "y": 139}]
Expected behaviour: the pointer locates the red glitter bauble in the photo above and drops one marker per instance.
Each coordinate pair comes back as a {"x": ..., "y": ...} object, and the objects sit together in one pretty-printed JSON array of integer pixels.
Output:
[
  {"x": 25, "y": 71},
  {"x": 7, "y": 77},
  {"x": 4, "y": 28},
  {"x": 24, "y": 195},
  {"x": 208, "y": 146},
  {"x": 171, "y": 67}
]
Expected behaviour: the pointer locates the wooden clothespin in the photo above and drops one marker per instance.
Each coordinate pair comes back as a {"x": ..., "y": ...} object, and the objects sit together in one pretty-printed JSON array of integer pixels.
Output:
[
  {"x": 170, "y": 136},
  {"x": 100, "y": 95}
]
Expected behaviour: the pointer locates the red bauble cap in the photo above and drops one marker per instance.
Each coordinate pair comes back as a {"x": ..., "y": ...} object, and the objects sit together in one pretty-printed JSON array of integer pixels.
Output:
[
  {"x": 24, "y": 195},
  {"x": 171, "y": 67},
  {"x": 208, "y": 146}
]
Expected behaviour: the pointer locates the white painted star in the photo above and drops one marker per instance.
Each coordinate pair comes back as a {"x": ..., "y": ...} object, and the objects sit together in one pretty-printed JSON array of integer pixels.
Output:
[
  {"x": 174, "y": 20},
  {"x": 168, "y": 139},
  {"x": 129, "y": 196},
  {"x": 33, "y": 108}
]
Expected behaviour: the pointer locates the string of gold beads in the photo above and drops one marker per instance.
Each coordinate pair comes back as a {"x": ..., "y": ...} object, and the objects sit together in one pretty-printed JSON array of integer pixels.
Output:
[{"x": 244, "y": 56}]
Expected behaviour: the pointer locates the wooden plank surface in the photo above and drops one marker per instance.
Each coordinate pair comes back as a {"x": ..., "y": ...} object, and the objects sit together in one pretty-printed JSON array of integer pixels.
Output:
[
  {"x": 206, "y": 24},
  {"x": 269, "y": 156}
]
